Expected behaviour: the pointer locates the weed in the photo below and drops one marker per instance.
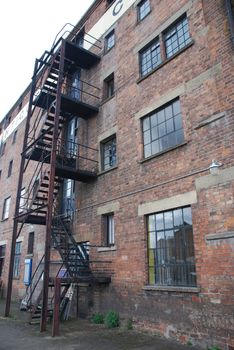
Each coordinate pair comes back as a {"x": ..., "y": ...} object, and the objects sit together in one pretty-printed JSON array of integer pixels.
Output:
[
  {"x": 111, "y": 319},
  {"x": 97, "y": 318}
]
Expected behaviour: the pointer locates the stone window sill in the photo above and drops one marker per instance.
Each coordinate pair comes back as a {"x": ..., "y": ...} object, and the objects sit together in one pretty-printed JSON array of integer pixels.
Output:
[
  {"x": 107, "y": 171},
  {"x": 172, "y": 289},
  {"x": 107, "y": 99},
  {"x": 106, "y": 249}
]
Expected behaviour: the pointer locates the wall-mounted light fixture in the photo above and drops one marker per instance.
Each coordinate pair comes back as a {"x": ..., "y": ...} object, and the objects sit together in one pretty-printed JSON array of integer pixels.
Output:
[{"x": 214, "y": 167}]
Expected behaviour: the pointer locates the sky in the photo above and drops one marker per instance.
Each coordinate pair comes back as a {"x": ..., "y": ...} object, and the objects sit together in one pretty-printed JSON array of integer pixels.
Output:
[{"x": 28, "y": 28}]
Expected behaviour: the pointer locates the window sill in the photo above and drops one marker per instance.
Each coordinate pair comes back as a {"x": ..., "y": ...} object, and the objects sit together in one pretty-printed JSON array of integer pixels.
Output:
[
  {"x": 29, "y": 255},
  {"x": 166, "y": 61},
  {"x": 161, "y": 153},
  {"x": 107, "y": 51},
  {"x": 139, "y": 21},
  {"x": 106, "y": 249},
  {"x": 172, "y": 289},
  {"x": 105, "y": 100},
  {"x": 4, "y": 219},
  {"x": 107, "y": 171}
]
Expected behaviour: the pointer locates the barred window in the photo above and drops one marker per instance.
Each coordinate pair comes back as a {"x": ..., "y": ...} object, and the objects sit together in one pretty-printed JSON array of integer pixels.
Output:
[
  {"x": 171, "y": 249},
  {"x": 143, "y": 9},
  {"x": 16, "y": 269},
  {"x": 150, "y": 57},
  {"x": 110, "y": 41},
  {"x": 176, "y": 37},
  {"x": 162, "y": 129},
  {"x": 109, "y": 153}
]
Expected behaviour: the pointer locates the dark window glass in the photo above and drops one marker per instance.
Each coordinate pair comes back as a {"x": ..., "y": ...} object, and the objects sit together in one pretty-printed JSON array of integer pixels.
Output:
[
  {"x": 109, "y": 86},
  {"x": 110, "y": 41},
  {"x": 16, "y": 269},
  {"x": 150, "y": 57},
  {"x": 10, "y": 168},
  {"x": 2, "y": 257},
  {"x": 109, "y": 2},
  {"x": 171, "y": 249},
  {"x": 143, "y": 9},
  {"x": 6, "y": 208},
  {"x": 109, "y": 154},
  {"x": 109, "y": 229},
  {"x": 176, "y": 37},
  {"x": 30, "y": 242},
  {"x": 162, "y": 129},
  {"x": 14, "y": 137},
  {"x": 3, "y": 148}
]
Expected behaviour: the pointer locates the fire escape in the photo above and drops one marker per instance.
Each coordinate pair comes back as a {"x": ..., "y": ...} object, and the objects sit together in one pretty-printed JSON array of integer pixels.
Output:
[{"x": 47, "y": 161}]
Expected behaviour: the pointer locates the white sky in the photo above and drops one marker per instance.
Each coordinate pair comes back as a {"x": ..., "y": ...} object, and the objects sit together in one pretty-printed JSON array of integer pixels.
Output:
[{"x": 28, "y": 28}]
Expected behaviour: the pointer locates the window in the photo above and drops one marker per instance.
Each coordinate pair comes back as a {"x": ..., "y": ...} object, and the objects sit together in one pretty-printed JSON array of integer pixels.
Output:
[
  {"x": 16, "y": 269},
  {"x": 30, "y": 243},
  {"x": 109, "y": 2},
  {"x": 10, "y": 168},
  {"x": 109, "y": 86},
  {"x": 150, "y": 57},
  {"x": 3, "y": 148},
  {"x": 0, "y": 174},
  {"x": 170, "y": 248},
  {"x": 110, "y": 41},
  {"x": 14, "y": 137},
  {"x": 176, "y": 37},
  {"x": 23, "y": 200},
  {"x": 109, "y": 229},
  {"x": 162, "y": 129},
  {"x": 143, "y": 9},
  {"x": 109, "y": 153},
  {"x": 6, "y": 208},
  {"x": 2, "y": 257}
]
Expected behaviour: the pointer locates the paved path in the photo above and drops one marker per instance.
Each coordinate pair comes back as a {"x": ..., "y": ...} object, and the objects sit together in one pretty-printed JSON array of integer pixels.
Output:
[{"x": 17, "y": 334}]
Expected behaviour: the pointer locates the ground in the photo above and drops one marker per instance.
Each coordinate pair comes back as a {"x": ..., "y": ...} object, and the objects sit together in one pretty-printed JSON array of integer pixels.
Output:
[{"x": 17, "y": 334}]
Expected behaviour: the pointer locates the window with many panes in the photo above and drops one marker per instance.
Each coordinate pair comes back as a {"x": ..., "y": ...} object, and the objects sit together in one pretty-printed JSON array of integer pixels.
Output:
[
  {"x": 176, "y": 37},
  {"x": 108, "y": 149},
  {"x": 110, "y": 41},
  {"x": 16, "y": 269},
  {"x": 171, "y": 249},
  {"x": 6, "y": 208},
  {"x": 109, "y": 229},
  {"x": 143, "y": 9},
  {"x": 109, "y": 86},
  {"x": 162, "y": 129},
  {"x": 150, "y": 57},
  {"x": 2, "y": 257}
]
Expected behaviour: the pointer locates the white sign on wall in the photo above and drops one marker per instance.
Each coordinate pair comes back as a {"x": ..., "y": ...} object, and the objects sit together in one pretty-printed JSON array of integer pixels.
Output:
[{"x": 108, "y": 19}]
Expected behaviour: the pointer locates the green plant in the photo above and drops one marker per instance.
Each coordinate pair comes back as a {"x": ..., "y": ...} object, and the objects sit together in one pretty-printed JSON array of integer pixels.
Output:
[
  {"x": 111, "y": 319},
  {"x": 97, "y": 318},
  {"x": 214, "y": 347},
  {"x": 129, "y": 325},
  {"x": 189, "y": 342}
]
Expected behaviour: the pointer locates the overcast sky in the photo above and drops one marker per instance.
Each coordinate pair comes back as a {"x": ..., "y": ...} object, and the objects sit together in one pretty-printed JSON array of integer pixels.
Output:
[{"x": 28, "y": 28}]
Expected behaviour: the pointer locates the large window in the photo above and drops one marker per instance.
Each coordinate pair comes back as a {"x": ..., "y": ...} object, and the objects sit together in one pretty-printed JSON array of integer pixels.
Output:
[
  {"x": 2, "y": 257},
  {"x": 176, "y": 37},
  {"x": 171, "y": 249},
  {"x": 162, "y": 129},
  {"x": 6, "y": 208},
  {"x": 150, "y": 57},
  {"x": 110, "y": 41},
  {"x": 143, "y": 9},
  {"x": 108, "y": 149},
  {"x": 16, "y": 269},
  {"x": 109, "y": 229}
]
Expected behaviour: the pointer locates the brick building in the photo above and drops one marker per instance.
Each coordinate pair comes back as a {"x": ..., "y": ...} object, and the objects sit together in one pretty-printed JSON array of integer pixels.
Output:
[{"x": 149, "y": 125}]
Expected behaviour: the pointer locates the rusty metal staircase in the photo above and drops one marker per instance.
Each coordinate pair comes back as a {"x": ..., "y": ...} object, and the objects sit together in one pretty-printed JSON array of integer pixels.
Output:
[{"x": 53, "y": 101}]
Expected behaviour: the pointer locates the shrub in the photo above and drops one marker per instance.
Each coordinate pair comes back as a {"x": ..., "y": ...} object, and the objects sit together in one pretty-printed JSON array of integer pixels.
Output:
[
  {"x": 111, "y": 319},
  {"x": 214, "y": 347},
  {"x": 97, "y": 318}
]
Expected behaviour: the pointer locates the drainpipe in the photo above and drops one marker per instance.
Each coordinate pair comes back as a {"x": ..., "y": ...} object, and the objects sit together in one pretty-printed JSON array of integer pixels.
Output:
[{"x": 230, "y": 18}]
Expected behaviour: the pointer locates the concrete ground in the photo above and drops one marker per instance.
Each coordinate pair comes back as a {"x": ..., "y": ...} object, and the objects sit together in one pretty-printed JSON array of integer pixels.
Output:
[{"x": 17, "y": 334}]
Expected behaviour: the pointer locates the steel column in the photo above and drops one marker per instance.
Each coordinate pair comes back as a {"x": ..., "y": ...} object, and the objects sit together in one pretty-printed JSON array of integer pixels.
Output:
[
  {"x": 51, "y": 191},
  {"x": 20, "y": 181},
  {"x": 57, "y": 293}
]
